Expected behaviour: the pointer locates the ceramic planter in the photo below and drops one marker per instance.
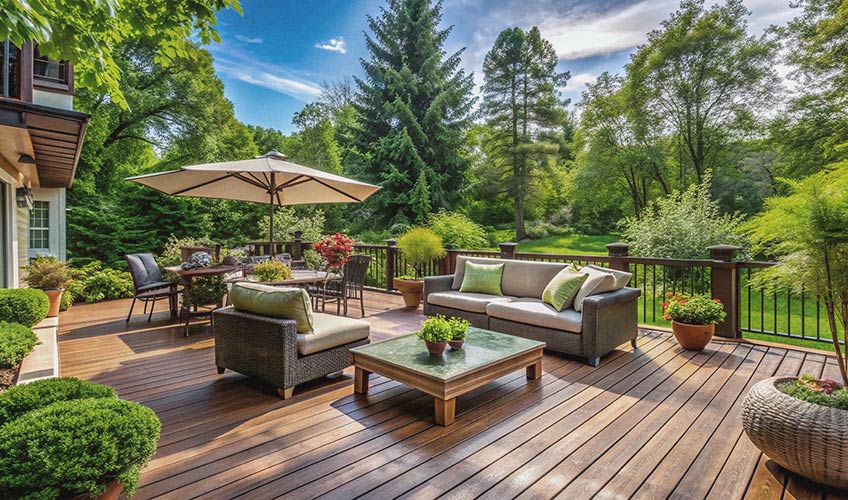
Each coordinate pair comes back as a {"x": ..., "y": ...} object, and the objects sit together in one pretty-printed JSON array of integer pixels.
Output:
[
  {"x": 808, "y": 439},
  {"x": 412, "y": 291},
  {"x": 112, "y": 492},
  {"x": 456, "y": 344},
  {"x": 436, "y": 348},
  {"x": 692, "y": 337},
  {"x": 55, "y": 297}
]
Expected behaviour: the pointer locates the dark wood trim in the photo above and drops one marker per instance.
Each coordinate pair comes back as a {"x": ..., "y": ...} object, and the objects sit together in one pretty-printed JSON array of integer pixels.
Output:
[{"x": 27, "y": 68}]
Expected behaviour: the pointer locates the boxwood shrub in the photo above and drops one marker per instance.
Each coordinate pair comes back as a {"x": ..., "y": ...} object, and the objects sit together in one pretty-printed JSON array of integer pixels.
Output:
[
  {"x": 26, "y": 306},
  {"x": 24, "y": 398},
  {"x": 16, "y": 341},
  {"x": 74, "y": 447}
]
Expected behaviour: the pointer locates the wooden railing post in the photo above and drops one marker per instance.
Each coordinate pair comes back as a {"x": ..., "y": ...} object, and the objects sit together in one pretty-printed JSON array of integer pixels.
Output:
[
  {"x": 508, "y": 249},
  {"x": 724, "y": 287},
  {"x": 391, "y": 258},
  {"x": 619, "y": 251},
  {"x": 450, "y": 261},
  {"x": 297, "y": 246}
]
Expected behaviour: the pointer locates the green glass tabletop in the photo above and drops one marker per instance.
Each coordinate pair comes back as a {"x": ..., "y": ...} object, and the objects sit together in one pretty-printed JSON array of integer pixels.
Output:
[{"x": 481, "y": 348}]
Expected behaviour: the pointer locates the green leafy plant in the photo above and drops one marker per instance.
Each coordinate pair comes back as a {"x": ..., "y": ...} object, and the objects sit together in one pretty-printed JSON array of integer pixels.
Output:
[
  {"x": 21, "y": 399},
  {"x": 313, "y": 259},
  {"x": 16, "y": 341},
  {"x": 287, "y": 220},
  {"x": 207, "y": 290},
  {"x": 271, "y": 270},
  {"x": 806, "y": 230},
  {"x": 47, "y": 273},
  {"x": 695, "y": 310},
  {"x": 458, "y": 230},
  {"x": 420, "y": 246},
  {"x": 67, "y": 301},
  {"x": 825, "y": 392},
  {"x": 94, "y": 282},
  {"x": 76, "y": 447},
  {"x": 436, "y": 329},
  {"x": 458, "y": 328},
  {"x": 27, "y": 306}
]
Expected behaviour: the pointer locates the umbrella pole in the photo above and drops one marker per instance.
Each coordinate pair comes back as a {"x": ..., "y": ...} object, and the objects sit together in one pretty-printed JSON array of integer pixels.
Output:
[{"x": 271, "y": 229}]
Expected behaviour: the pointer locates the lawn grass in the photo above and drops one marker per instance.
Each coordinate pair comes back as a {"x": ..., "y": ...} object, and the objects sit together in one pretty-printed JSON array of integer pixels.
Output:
[{"x": 580, "y": 244}]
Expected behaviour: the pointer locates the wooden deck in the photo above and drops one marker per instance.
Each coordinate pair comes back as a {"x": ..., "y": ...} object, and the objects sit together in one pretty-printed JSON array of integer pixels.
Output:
[{"x": 657, "y": 422}]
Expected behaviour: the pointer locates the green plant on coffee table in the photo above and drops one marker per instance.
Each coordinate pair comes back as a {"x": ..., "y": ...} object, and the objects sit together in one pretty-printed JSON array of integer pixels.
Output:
[
  {"x": 695, "y": 310},
  {"x": 16, "y": 341},
  {"x": 459, "y": 328},
  {"x": 825, "y": 392},
  {"x": 271, "y": 270},
  {"x": 47, "y": 273},
  {"x": 207, "y": 290},
  {"x": 435, "y": 329},
  {"x": 24, "y": 398},
  {"x": 420, "y": 246},
  {"x": 27, "y": 306}
]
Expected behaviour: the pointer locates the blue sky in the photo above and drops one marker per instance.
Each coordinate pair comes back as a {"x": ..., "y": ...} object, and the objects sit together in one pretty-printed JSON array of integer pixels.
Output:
[{"x": 274, "y": 58}]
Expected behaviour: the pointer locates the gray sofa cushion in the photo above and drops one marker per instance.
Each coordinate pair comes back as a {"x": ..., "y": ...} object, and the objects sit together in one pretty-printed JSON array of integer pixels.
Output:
[
  {"x": 465, "y": 301},
  {"x": 330, "y": 331},
  {"x": 537, "y": 313},
  {"x": 521, "y": 278}
]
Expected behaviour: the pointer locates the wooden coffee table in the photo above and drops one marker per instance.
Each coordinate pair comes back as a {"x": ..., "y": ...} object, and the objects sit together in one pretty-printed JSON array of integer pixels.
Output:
[{"x": 485, "y": 357}]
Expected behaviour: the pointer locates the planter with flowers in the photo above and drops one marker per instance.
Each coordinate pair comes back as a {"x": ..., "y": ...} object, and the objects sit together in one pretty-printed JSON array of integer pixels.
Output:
[
  {"x": 335, "y": 249},
  {"x": 51, "y": 276},
  {"x": 693, "y": 319},
  {"x": 419, "y": 246}
]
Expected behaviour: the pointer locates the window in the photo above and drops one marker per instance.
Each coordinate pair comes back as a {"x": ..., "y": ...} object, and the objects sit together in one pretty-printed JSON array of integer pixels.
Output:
[
  {"x": 10, "y": 70},
  {"x": 39, "y": 226},
  {"x": 46, "y": 70}
]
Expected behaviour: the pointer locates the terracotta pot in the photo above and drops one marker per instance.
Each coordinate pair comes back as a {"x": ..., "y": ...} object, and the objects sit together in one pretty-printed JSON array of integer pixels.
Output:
[
  {"x": 412, "y": 291},
  {"x": 436, "y": 348},
  {"x": 692, "y": 337},
  {"x": 456, "y": 344},
  {"x": 112, "y": 492},
  {"x": 55, "y": 297}
]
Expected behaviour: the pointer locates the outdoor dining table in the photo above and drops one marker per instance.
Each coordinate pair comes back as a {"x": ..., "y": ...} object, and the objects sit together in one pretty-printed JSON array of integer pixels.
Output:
[
  {"x": 298, "y": 278},
  {"x": 187, "y": 275}
]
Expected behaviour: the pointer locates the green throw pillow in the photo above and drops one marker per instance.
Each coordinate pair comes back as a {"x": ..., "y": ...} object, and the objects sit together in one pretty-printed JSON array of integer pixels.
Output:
[
  {"x": 279, "y": 302},
  {"x": 562, "y": 289},
  {"x": 482, "y": 278}
]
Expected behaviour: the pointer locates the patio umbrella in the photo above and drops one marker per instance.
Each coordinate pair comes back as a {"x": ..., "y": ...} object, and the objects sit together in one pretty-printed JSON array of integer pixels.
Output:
[{"x": 269, "y": 178}]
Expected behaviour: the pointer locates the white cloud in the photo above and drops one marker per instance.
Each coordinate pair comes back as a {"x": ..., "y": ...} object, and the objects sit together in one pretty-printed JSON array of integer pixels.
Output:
[
  {"x": 236, "y": 63},
  {"x": 248, "y": 39},
  {"x": 581, "y": 79},
  {"x": 333, "y": 45}
]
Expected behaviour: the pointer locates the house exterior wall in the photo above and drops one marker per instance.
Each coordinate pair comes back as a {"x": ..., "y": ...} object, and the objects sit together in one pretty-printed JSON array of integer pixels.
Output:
[{"x": 57, "y": 224}]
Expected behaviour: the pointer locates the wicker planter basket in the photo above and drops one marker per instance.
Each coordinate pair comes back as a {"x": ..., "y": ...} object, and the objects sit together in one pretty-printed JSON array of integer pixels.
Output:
[{"x": 808, "y": 439}]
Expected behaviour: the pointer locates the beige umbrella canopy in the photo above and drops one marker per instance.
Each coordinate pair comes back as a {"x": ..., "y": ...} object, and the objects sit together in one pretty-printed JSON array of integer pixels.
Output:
[{"x": 269, "y": 178}]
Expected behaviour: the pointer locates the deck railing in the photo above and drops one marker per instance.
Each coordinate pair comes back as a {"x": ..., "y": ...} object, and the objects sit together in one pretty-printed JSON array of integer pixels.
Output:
[{"x": 752, "y": 306}]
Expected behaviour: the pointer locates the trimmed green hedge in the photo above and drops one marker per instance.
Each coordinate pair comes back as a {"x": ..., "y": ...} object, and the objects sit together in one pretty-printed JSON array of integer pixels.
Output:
[
  {"x": 24, "y": 398},
  {"x": 26, "y": 306},
  {"x": 16, "y": 341},
  {"x": 73, "y": 447}
]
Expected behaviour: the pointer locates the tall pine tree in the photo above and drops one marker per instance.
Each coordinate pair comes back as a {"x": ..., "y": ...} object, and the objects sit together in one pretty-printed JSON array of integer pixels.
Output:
[
  {"x": 412, "y": 111},
  {"x": 522, "y": 102}
]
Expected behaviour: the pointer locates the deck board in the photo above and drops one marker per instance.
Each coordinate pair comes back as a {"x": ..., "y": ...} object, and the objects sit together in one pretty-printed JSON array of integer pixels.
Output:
[{"x": 654, "y": 422}]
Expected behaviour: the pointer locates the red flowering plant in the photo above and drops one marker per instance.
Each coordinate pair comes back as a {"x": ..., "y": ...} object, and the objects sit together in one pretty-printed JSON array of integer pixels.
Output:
[
  {"x": 335, "y": 249},
  {"x": 695, "y": 310}
]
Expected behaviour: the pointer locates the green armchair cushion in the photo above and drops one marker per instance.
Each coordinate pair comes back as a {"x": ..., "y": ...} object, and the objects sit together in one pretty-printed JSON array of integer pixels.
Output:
[
  {"x": 562, "y": 289},
  {"x": 482, "y": 278},
  {"x": 278, "y": 302}
]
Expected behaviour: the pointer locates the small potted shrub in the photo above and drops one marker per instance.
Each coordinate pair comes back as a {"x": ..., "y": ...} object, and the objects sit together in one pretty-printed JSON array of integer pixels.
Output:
[
  {"x": 459, "y": 330},
  {"x": 419, "y": 246},
  {"x": 435, "y": 332},
  {"x": 27, "y": 306},
  {"x": 66, "y": 438},
  {"x": 693, "y": 319},
  {"x": 49, "y": 275},
  {"x": 271, "y": 270}
]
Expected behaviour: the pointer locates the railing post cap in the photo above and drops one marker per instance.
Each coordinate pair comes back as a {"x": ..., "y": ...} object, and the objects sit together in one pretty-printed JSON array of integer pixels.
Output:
[
  {"x": 391, "y": 242},
  {"x": 723, "y": 252},
  {"x": 618, "y": 249},
  {"x": 508, "y": 244}
]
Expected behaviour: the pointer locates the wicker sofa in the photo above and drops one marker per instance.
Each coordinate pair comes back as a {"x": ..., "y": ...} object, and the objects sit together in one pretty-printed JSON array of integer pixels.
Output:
[
  {"x": 606, "y": 321},
  {"x": 271, "y": 350}
]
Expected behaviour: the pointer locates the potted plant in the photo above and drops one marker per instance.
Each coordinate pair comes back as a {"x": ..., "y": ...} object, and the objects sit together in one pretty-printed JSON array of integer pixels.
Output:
[
  {"x": 49, "y": 275},
  {"x": 271, "y": 270},
  {"x": 435, "y": 331},
  {"x": 336, "y": 249},
  {"x": 419, "y": 246},
  {"x": 67, "y": 438},
  {"x": 693, "y": 319},
  {"x": 459, "y": 330},
  {"x": 802, "y": 423}
]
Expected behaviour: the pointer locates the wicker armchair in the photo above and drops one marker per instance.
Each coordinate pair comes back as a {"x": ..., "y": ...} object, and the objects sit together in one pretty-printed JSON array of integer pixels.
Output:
[{"x": 271, "y": 350}]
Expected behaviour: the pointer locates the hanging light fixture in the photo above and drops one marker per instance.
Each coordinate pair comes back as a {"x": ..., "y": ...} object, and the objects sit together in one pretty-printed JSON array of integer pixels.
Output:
[{"x": 23, "y": 195}]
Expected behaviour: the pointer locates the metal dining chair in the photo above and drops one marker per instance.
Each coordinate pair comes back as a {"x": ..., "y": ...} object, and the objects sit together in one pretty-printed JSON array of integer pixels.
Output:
[
  {"x": 351, "y": 286},
  {"x": 148, "y": 285}
]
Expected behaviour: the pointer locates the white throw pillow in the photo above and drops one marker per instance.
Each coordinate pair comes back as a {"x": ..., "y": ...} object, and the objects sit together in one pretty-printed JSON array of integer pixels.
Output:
[
  {"x": 622, "y": 278},
  {"x": 597, "y": 282}
]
